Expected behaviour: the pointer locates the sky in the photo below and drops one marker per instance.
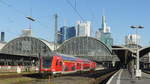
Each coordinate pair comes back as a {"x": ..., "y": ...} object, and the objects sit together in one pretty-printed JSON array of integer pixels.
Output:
[{"x": 120, "y": 14}]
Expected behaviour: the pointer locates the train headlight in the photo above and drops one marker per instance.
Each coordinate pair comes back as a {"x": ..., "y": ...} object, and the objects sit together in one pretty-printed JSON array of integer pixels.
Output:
[{"x": 53, "y": 69}]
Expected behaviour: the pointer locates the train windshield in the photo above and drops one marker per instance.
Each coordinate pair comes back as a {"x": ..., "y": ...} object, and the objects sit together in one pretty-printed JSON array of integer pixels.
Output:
[{"x": 46, "y": 62}]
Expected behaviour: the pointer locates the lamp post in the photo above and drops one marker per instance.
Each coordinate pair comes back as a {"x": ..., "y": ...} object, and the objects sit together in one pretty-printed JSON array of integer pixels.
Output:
[{"x": 138, "y": 71}]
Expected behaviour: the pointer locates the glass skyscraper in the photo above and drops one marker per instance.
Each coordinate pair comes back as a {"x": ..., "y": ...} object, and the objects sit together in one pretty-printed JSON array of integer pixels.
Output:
[
  {"x": 83, "y": 28},
  {"x": 66, "y": 33},
  {"x": 103, "y": 34}
]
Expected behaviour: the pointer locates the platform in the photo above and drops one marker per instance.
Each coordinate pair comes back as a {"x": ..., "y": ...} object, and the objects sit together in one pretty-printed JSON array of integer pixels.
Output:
[{"x": 124, "y": 77}]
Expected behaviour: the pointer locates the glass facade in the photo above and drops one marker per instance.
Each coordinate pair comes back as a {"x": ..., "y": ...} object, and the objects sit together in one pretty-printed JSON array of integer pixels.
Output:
[
  {"x": 71, "y": 32},
  {"x": 104, "y": 37},
  {"x": 66, "y": 33},
  {"x": 103, "y": 34},
  {"x": 83, "y": 28},
  {"x": 86, "y": 47}
]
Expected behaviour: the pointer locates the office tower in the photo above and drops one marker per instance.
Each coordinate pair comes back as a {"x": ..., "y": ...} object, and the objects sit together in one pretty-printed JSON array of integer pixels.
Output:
[
  {"x": 103, "y": 33},
  {"x": 83, "y": 28}
]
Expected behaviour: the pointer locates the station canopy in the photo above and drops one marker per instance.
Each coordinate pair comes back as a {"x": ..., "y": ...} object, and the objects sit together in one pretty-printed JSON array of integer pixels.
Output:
[
  {"x": 86, "y": 47},
  {"x": 27, "y": 46}
]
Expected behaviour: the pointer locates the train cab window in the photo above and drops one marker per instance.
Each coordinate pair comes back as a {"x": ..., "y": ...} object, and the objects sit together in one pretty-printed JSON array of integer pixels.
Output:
[{"x": 46, "y": 62}]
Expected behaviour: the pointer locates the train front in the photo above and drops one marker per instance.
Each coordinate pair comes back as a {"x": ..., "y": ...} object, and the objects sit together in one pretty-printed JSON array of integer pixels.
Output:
[{"x": 46, "y": 64}]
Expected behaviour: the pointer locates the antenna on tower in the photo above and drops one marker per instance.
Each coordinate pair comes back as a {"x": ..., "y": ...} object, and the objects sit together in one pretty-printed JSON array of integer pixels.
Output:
[
  {"x": 65, "y": 22},
  {"x": 103, "y": 20},
  {"x": 30, "y": 18},
  {"x": 30, "y": 13},
  {"x": 75, "y": 4},
  {"x": 55, "y": 34},
  {"x": 103, "y": 11}
]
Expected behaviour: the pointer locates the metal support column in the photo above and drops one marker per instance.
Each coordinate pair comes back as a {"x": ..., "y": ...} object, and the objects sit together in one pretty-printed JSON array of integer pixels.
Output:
[{"x": 138, "y": 71}]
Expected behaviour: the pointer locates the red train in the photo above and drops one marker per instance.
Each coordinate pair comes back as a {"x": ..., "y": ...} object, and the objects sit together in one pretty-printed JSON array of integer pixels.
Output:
[{"x": 60, "y": 64}]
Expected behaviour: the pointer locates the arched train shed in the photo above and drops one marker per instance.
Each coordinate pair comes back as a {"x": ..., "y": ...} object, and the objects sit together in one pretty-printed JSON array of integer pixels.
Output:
[
  {"x": 86, "y": 47},
  {"x": 143, "y": 51},
  {"x": 23, "y": 50},
  {"x": 144, "y": 57}
]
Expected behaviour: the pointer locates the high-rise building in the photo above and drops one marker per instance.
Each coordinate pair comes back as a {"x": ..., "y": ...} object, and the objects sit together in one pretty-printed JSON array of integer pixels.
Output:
[
  {"x": 26, "y": 32},
  {"x": 71, "y": 32},
  {"x": 103, "y": 33},
  {"x": 2, "y": 36},
  {"x": 132, "y": 39},
  {"x": 59, "y": 37},
  {"x": 66, "y": 33},
  {"x": 105, "y": 27},
  {"x": 83, "y": 28}
]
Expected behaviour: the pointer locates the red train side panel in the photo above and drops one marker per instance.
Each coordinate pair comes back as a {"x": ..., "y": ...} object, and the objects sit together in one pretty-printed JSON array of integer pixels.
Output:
[{"x": 62, "y": 64}]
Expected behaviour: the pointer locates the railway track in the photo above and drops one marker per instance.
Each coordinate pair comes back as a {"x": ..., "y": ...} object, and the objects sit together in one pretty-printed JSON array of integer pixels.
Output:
[
  {"x": 146, "y": 71},
  {"x": 99, "y": 76},
  {"x": 104, "y": 78},
  {"x": 9, "y": 76},
  {"x": 5, "y": 76},
  {"x": 95, "y": 77}
]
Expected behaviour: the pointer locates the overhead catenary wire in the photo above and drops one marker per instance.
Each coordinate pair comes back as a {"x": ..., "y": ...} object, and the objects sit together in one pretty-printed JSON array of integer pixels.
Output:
[
  {"x": 75, "y": 4},
  {"x": 22, "y": 13},
  {"x": 74, "y": 8},
  {"x": 92, "y": 14},
  {"x": 11, "y": 6},
  {"x": 30, "y": 18}
]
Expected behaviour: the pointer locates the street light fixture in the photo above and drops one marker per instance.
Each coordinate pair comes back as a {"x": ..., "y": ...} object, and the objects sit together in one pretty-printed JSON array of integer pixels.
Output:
[
  {"x": 30, "y": 18},
  {"x": 138, "y": 71}
]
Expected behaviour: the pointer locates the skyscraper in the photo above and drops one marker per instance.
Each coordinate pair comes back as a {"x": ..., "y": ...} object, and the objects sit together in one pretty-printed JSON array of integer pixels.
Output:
[
  {"x": 71, "y": 32},
  {"x": 83, "y": 28},
  {"x": 105, "y": 27},
  {"x": 66, "y": 33},
  {"x": 59, "y": 35},
  {"x": 132, "y": 39},
  {"x": 26, "y": 32},
  {"x": 103, "y": 33}
]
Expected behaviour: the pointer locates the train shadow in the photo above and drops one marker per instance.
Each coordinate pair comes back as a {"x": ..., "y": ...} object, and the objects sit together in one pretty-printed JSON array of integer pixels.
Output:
[
  {"x": 33, "y": 75},
  {"x": 91, "y": 74}
]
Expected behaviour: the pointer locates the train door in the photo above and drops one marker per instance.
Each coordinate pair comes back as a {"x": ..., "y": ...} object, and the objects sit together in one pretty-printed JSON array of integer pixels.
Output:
[
  {"x": 78, "y": 66},
  {"x": 73, "y": 66},
  {"x": 81, "y": 66},
  {"x": 59, "y": 65}
]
